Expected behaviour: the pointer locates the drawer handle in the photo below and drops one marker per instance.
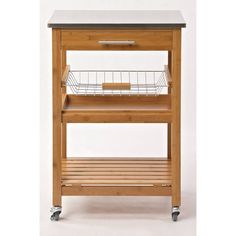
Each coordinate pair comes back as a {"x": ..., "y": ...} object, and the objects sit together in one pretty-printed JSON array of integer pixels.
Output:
[{"x": 117, "y": 42}]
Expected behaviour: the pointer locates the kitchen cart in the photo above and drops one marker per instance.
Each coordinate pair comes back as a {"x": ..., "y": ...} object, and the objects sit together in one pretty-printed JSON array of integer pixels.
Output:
[{"x": 116, "y": 96}]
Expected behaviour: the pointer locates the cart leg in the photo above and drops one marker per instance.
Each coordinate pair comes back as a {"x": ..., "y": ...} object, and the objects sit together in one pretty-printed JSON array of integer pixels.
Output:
[
  {"x": 169, "y": 124},
  {"x": 63, "y": 90},
  {"x": 56, "y": 91},
  {"x": 175, "y": 125},
  {"x": 169, "y": 141},
  {"x": 64, "y": 139}
]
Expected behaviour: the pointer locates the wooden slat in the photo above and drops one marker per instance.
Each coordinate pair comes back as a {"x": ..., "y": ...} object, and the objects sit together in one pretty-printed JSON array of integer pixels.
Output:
[
  {"x": 109, "y": 161},
  {"x": 114, "y": 165},
  {"x": 151, "y": 102},
  {"x": 101, "y": 177},
  {"x": 117, "y": 159},
  {"x": 115, "y": 169},
  {"x": 136, "y": 181},
  {"x": 161, "y": 116},
  {"x": 116, "y": 191},
  {"x": 111, "y": 173}
]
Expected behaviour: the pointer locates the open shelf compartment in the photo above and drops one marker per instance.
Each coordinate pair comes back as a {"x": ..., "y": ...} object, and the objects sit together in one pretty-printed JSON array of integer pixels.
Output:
[{"x": 93, "y": 101}]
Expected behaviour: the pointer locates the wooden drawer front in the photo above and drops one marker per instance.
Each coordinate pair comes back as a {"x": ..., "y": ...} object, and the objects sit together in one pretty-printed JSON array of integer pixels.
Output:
[{"x": 116, "y": 39}]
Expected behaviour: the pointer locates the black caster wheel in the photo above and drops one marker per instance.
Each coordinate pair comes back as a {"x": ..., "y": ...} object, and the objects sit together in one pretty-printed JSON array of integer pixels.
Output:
[
  {"x": 55, "y": 216},
  {"x": 56, "y": 211},
  {"x": 175, "y": 216},
  {"x": 175, "y": 213}
]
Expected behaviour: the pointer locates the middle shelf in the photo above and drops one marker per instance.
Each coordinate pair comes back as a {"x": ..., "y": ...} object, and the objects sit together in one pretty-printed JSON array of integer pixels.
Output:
[{"x": 120, "y": 109}]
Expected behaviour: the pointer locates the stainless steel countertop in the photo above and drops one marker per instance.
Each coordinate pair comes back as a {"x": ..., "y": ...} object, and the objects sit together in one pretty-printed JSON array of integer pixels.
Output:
[{"x": 118, "y": 18}]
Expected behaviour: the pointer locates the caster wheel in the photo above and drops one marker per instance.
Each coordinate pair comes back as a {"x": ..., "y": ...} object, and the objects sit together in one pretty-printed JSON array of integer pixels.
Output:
[
  {"x": 175, "y": 213},
  {"x": 55, "y": 216},
  {"x": 175, "y": 216},
  {"x": 56, "y": 211}
]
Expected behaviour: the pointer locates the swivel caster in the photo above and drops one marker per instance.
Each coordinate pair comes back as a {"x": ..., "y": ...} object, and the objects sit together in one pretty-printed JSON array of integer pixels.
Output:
[
  {"x": 175, "y": 213},
  {"x": 56, "y": 211}
]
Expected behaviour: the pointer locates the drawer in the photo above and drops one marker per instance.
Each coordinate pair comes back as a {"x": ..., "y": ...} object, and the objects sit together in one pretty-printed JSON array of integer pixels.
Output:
[{"x": 116, "y": 39}]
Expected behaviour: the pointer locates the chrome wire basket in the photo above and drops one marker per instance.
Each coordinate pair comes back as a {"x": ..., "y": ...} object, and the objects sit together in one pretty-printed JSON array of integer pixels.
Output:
[{"x": 113, "y": 82}]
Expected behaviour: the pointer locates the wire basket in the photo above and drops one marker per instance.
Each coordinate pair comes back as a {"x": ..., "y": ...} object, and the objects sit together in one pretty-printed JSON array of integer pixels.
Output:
[{"x": 113, "y": 82}]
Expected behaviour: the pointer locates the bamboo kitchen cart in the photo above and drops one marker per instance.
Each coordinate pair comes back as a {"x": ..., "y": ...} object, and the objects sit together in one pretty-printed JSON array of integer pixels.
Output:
[{"x": 116, "y": 96}]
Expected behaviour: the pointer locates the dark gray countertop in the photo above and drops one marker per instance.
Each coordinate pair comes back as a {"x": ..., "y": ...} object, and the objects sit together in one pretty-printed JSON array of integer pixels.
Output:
[{"x": 103, "y": 19}]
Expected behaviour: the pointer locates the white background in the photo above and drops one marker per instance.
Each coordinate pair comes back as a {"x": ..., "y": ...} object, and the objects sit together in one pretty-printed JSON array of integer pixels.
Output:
[{"x": 19, "y": 140}]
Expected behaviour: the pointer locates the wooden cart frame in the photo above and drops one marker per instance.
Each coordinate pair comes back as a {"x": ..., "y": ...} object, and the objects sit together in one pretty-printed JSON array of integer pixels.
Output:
[{"x": 162, "y": 176}]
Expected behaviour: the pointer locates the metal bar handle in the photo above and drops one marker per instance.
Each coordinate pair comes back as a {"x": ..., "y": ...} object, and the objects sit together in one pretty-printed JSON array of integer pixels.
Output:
[{"x": 117, "y": 42}]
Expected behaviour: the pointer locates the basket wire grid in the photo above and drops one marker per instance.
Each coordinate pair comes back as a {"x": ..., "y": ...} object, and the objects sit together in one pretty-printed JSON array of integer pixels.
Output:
[{"x": 84, "y": 82}]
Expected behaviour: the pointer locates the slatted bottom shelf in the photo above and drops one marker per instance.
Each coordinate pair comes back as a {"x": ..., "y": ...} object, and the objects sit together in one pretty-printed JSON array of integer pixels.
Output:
[{"x": 116, "y": 176}]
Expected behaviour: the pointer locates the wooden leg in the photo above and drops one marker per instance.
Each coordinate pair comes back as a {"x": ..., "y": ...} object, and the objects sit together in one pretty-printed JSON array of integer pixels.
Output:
[
  {"x": 56, "y": 90},
  {"x": 169, "y": 141},
  {"x": 64, "y": 139},
  {"x": 169, "y": 124},
  {"x": 64, "y": 125},
  {"x": 175, "y": 126}
]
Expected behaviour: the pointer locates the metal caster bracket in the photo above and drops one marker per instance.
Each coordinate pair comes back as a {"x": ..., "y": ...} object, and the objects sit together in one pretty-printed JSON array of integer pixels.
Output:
[
  {"x": 56, "y": 211},
  {"x": 175, "y": 212}
]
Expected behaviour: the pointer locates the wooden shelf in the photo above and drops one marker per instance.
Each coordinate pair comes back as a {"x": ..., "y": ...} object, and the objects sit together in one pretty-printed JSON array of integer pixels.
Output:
[
  {"x": 130, "y": 176},
  {"x": 120, "y": 109}
]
